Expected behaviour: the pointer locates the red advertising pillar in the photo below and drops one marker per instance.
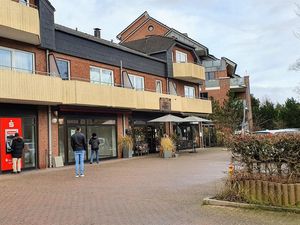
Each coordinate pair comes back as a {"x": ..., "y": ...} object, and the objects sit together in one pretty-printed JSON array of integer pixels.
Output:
[{"x": 8, "y": 128}]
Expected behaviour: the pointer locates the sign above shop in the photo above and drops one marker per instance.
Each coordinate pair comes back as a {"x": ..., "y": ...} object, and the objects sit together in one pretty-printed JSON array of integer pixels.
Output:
[{"x": 165, "y": 104}]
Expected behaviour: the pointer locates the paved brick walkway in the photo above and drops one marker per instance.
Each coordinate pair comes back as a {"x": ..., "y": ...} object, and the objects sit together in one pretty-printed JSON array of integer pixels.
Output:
[{"x": 150, "y": 191}]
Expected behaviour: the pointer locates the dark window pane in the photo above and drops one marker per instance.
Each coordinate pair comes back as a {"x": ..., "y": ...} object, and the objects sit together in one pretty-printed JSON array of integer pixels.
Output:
[{"x": 63, "y": 67}]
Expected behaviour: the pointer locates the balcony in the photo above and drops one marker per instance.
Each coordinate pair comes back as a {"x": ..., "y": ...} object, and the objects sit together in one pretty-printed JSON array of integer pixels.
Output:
[
  {"x": 21, "y": 87},
  {"x": 19, "y": 22},
  {"x": 188, "y": 72},
  {"x": 237, "y": 84}
]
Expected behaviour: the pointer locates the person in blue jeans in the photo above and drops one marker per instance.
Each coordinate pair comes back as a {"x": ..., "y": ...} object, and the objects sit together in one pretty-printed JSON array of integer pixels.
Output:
[
  {"x": 78, "y": 143},
  {"x": 94, "y": 142}
]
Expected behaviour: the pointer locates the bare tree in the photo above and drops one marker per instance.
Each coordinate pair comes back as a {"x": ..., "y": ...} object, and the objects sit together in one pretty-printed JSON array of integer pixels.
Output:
[{"x": 296, "y": 65}]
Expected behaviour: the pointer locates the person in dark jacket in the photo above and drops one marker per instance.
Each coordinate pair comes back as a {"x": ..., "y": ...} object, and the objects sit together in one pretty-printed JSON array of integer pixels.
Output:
[
  {"x": 17, "y": 147},
  {"x": 94, "y": 142},
  {"x": 78, "y": 143}
]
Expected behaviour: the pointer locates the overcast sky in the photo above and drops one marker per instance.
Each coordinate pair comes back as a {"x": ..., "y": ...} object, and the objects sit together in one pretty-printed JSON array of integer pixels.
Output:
[{"x": 259, "y": 35}]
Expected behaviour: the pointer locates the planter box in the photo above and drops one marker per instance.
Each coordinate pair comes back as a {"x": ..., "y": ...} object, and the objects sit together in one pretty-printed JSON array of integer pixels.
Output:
[
  {"x": 167, "y": 154},
  {"x": 127, "y": 153},
  {"x": 270, "y": 193}
]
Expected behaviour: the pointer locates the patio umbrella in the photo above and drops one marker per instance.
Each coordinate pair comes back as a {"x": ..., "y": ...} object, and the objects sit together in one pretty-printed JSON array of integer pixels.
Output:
[
  {"x": 196, "y": 119},
  {"x": 167, "y": 118}
]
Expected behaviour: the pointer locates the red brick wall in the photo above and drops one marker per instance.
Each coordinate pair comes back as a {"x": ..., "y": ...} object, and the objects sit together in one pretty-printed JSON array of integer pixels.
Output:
[
  {"x": 133, "y": 27},
  {"x": 219, "y": 74},
  {"x": 120, "y": 129},
  {"x": 190, "y": 57},
  {"x": 143, "y": 31},
  {"x": 220, "y": 94},
  {"x": 120, "y": 133},
  {"x": 180, "y": 87},
  {"x": 55, "y": 151},
  {"x": 42, "y": 137},
  {"x": 39, "y": 55}
]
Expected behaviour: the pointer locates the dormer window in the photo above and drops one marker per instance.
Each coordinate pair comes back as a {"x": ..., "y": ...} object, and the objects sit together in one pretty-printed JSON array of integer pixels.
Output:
[{"x": 181, "y": 57}]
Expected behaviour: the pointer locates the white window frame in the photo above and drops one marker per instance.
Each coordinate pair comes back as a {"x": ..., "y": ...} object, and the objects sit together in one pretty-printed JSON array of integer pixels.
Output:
[
  {"x": 101, "y": 69},
  {"x": 13, "y": 64},
  {"x": 160, "y": 82},
  {"x": 133, "y": 81},
  {"x": 181, "y": 57},
  {"x": 69, "y": 72},
  {"x": 188, "y": 93}
]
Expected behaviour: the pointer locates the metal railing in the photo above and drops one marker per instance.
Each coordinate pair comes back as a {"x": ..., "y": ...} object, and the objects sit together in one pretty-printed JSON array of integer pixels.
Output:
[
  {"x": 212, "y": 83},
  {"x": 238, "y": 81}
]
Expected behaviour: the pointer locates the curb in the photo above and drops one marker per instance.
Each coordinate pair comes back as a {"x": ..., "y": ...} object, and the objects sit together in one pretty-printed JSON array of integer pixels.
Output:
[{"x": 215, "y": 202}]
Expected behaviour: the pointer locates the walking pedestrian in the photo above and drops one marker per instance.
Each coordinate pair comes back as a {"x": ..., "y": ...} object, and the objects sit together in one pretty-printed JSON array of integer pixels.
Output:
[
  {"x": 17, "y": 147},
  {"x": 78, "y": 143},
  {"x": 94, "y": 142}
]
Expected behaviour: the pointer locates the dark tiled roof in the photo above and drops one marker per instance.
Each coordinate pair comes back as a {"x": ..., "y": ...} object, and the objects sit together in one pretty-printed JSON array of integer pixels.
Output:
[
  {"x": 151, "y": 44},
  {"x": 101, "y": 41}
]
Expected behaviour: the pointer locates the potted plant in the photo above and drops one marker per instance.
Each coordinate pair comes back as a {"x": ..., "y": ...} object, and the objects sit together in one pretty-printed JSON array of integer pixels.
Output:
[
  {"x": 126, "y": 144},
  {"x": 167, "y": 147}
]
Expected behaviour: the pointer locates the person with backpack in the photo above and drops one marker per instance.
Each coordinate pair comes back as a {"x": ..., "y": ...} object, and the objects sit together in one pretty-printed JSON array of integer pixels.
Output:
[
  {"x": 17, "y": 147},
  {"x": 94, "y": 142}
]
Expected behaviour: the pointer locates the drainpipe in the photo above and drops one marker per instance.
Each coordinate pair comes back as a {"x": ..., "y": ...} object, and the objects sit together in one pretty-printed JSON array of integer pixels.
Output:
[
  {"x": 49, "y": 137},
  {"x": 121, "y": 70},
  {"x": 168, "y": 85},
  {"x": 123, "y": 120},
  {"x": 49, "y": 119}
]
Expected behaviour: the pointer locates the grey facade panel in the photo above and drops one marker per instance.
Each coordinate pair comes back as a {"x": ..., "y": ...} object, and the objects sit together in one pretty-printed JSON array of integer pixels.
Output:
[
  {"x": 47, "y": 28},
  {"x": 87, "y": 49},
  {"x": 161, "y": 55},
  {"x": 170, "y": 63}
]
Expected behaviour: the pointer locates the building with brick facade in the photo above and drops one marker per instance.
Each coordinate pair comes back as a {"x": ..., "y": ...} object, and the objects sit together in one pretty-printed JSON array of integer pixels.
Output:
[
  {"x": 220, "y": 74},
  {"x": 53, "y": 78}
]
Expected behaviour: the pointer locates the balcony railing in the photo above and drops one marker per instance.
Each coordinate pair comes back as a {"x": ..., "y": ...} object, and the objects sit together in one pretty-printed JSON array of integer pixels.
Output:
[
  {"x": 17, "y": 86},
  {"x": 19, "y": 22},
  {"x": 188, "y": 72},
  {"x": 237, "y": 82},
  {"x": 212, "y": 83}
]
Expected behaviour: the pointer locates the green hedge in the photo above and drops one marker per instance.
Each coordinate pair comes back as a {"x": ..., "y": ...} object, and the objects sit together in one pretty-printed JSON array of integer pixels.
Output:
[{"x": 277, "y": 152}]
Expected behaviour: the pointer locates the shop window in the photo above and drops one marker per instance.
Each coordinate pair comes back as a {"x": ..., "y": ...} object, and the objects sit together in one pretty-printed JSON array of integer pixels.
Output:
[
  {"x": 189, "y": 92},
  {"x": 64, "y": 68},
  {"x": 181, "y": 57},
  {"x": 16, "y": 60},
  {"x": 137, "y": 82},
  {"x": 158, "y": 85},
  {"x": 101, "y": 76},
  {"x": 107, "y": 138}
]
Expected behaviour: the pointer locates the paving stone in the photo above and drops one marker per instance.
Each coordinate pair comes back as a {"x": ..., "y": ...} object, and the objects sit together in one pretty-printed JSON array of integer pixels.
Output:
[{"x": 146, "y": 190}]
